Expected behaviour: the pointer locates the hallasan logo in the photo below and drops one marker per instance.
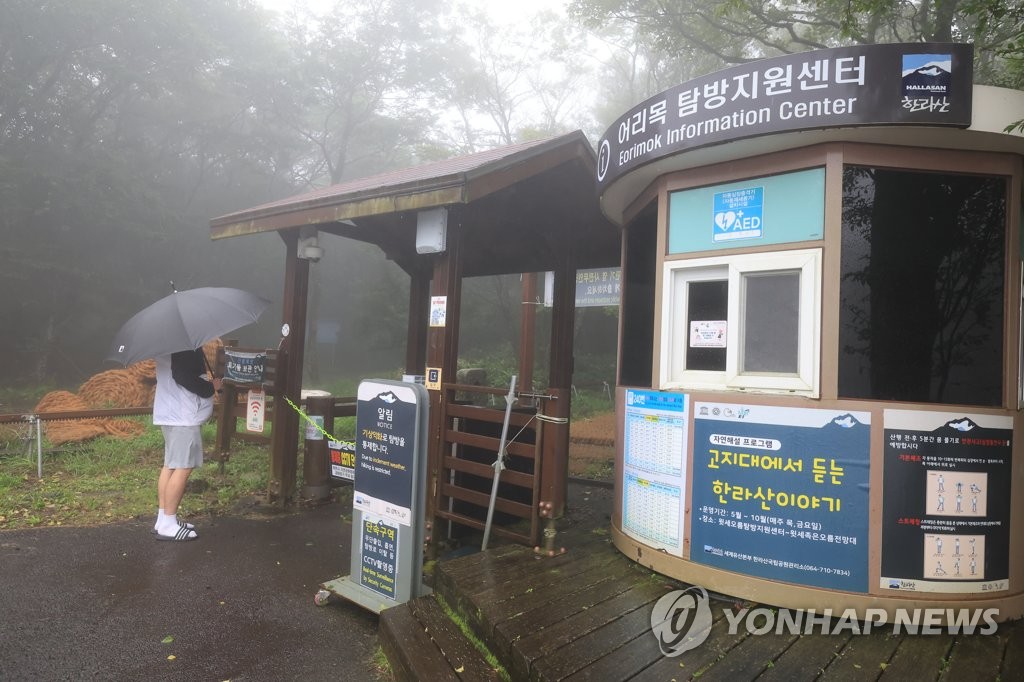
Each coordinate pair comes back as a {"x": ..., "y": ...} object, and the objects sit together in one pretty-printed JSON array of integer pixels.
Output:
[
  {"x": 681, "y": 620},
  {"x": 927, "y": 75}
]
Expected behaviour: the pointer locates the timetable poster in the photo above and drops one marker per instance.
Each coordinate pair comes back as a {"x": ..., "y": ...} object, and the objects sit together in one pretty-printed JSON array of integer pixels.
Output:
[
  {"x": 654, "y": 468},
  {"x": 946, "y": 502},
  {"x": 782, "y": 493}
]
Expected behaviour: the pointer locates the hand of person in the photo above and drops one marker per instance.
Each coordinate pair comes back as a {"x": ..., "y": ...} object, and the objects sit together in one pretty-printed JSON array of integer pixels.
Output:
[{"x": 217, "y": 384}]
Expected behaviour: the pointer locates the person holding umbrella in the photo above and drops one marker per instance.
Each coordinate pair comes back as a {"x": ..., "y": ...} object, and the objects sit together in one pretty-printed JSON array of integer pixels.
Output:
[
  {"x": 173, "y": 331},
  {"x": 182, "y": 404}
]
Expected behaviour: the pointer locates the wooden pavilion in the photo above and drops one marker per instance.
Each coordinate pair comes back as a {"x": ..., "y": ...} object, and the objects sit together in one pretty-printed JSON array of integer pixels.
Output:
[{"x": 524, "y": 208}]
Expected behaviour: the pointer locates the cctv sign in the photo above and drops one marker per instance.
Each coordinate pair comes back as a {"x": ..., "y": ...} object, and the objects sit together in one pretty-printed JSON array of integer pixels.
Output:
[{"x": 738, "y": 214}]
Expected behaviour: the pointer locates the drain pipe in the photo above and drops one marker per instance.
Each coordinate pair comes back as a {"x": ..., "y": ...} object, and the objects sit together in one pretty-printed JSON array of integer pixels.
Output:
[{"x": 499, "y": 463}]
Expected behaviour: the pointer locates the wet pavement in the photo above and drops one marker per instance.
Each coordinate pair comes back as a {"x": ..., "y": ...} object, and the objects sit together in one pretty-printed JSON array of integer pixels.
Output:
[{"x": 112, "y": 603}]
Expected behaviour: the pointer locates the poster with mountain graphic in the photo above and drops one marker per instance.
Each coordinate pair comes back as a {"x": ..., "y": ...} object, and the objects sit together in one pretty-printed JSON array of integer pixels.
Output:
[{"x": 782, "y": 493}]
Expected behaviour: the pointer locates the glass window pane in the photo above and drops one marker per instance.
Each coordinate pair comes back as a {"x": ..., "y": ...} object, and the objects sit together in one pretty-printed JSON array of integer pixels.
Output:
[
  {"x": 921, "y": 289},
  {"x": 771, "y": 322},
  {"x": 706, "y": 302}
]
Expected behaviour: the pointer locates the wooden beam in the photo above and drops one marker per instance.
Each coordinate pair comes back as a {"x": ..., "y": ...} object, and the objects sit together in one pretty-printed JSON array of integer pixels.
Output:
[
  {"x": 285, "y": 436},
  {"x": 419, "y": 313},
  {"x": 443, "y": 353},
  {"x": 527, "y": 330},
  {"x": 554, "y": 474}
]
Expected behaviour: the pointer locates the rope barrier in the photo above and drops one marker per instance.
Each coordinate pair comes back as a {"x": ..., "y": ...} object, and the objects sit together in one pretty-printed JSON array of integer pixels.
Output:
[{"x": 312, "y": 422}]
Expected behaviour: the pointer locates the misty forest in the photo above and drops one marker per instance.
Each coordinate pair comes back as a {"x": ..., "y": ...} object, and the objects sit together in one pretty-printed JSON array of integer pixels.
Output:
[{"x": 126, "y": 125}]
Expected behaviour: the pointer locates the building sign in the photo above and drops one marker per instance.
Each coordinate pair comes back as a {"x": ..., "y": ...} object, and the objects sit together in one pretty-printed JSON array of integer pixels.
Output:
[
  {"x": 654, "y": 480},
  {"x": 782, "y": 493},
  {"x": 946, "y": 502},
  {"x": 598, "y": 287},
  {"x": 898, "y": 84}
]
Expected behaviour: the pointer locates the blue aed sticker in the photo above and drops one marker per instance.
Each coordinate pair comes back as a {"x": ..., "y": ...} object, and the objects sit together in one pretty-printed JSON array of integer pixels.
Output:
[{"x": 738, "y": 214}]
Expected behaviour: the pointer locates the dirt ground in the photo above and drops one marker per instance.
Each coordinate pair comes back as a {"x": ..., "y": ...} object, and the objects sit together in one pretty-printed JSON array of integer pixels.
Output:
[{"x": 592, "y": 447}]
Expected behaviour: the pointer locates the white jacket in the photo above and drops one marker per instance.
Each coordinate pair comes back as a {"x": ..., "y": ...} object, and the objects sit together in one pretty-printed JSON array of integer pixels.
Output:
[{"x": 174, "y": 405}]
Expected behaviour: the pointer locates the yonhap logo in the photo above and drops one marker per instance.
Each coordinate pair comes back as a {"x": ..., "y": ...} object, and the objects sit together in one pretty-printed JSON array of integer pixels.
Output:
[{"x": 681, "y": 620}]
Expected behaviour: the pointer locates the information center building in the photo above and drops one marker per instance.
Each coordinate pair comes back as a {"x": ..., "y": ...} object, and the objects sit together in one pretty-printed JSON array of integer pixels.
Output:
[{"x": 820, "y": 377}]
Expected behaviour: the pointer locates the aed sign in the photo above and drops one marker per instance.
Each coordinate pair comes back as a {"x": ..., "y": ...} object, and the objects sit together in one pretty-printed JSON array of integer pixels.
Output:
[{"x": 738, "y": 214}]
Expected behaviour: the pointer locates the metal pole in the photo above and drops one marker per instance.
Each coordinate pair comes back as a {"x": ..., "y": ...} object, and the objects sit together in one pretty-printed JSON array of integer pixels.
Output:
[
  {"x": 39, "y": 447},
  {"x": 499, "y": 463}
]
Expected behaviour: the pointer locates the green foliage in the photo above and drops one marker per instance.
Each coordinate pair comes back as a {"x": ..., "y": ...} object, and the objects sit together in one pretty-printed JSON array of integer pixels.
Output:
[
  {"x": 110, "y": 479},
  {"x": 735, "y": 31}
]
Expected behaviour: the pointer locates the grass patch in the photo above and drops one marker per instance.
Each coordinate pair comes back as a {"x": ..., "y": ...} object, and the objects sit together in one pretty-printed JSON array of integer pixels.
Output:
[{"x": 107, "y": 480}]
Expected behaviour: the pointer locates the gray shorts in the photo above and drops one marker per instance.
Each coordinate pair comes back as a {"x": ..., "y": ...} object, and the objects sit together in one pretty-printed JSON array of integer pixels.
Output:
[{"x": 183, "y": 447}]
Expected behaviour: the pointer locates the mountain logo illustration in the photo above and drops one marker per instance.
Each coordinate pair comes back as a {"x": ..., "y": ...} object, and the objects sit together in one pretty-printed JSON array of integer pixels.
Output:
[{"x": 927, "y": 76}]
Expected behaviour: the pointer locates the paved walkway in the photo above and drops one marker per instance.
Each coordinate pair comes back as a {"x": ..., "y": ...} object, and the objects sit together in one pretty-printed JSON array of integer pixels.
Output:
[{"x": 111, "y": 603}]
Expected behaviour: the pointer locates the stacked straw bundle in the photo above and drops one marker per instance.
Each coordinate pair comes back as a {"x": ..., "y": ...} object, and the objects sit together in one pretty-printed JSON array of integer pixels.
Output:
[{"x": 133, "y": 386}]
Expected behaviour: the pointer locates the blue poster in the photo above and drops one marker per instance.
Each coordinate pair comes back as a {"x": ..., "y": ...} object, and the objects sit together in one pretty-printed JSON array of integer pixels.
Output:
[{"x": 782, "y": 493}]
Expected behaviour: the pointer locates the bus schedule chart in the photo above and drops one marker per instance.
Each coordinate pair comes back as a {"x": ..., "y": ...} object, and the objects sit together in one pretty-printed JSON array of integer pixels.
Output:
[
  {"x": 655, "y": 432},
  {"x": 655, "y": 468}
]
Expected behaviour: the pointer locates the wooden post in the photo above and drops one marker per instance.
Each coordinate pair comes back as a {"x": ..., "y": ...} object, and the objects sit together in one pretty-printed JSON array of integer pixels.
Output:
[
  {"x": 316, "y": 458},
  {"x": 285, "y": 437},
  {"x": 527, "y": 330},
  {"x": 554, "y": 482},
  {"x": 443, "y": 353},
  {"x": 419, "y": 312}
]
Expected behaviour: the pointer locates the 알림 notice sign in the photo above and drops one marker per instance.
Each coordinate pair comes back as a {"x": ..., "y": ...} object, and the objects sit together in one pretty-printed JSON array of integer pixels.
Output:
[
  {"x": 389, "y": 477},
  {"x": 782, "y": 493}
]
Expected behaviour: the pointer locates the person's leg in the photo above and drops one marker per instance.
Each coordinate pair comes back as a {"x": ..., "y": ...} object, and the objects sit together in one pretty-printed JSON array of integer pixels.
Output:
[
  {"x": 174, "y": 489},
  {"x": 161, "y": 493},
  {"x": 183, "y": 451}
]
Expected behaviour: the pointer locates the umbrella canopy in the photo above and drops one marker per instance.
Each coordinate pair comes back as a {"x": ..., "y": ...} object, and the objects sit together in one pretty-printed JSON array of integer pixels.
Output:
[{"x": 185, "y": 320}]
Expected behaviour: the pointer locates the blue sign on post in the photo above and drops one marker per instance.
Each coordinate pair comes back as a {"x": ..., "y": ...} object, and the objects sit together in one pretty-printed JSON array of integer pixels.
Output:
[{"x": 738, "y": 214}]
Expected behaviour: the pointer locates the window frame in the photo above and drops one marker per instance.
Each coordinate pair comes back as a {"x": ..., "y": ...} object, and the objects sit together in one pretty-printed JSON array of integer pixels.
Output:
[{"x": 734, "y": 269}]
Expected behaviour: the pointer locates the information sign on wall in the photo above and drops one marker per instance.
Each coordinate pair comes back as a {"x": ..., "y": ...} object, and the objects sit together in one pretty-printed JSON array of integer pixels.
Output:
[
  {"x": 782, "y": 493},
  {"x": 946, "y": 508},
  {"x": 654, "y": 480}
]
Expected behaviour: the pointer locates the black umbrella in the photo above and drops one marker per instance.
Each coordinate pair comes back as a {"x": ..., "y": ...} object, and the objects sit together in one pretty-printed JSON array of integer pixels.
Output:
[{"x": 185, "y": 320}]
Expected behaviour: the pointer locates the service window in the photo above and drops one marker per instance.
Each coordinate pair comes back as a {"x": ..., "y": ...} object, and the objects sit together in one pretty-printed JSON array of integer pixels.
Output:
[{"x": 745, "y": 322}]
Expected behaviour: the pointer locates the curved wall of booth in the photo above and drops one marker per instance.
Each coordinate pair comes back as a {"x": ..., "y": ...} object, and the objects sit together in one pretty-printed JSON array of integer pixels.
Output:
[{"x": 819, "y": 388}]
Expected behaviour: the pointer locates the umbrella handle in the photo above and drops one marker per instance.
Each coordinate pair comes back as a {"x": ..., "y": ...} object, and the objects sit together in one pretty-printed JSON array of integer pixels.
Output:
[{"x": 210, "y": 370}]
